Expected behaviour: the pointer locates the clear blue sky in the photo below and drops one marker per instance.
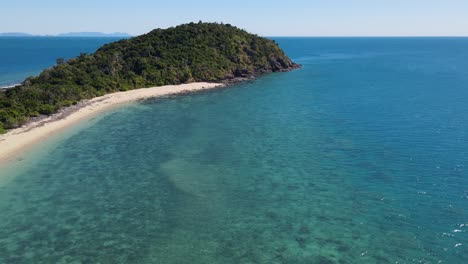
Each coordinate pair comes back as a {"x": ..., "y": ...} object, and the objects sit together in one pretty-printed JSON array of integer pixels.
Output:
[{"x": 268, "y": 18}]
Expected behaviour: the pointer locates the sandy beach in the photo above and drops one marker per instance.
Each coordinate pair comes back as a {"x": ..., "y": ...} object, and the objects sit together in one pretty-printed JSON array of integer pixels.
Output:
[
  {"x": 10, "y": 86},
  {"x": 19, "y": 139}
]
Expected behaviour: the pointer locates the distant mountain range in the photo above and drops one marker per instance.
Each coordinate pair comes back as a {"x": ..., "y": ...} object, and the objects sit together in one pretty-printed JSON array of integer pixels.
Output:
[
  {"x": 15, "y": 34},
  {"x": 70, "y": 34},
  {"x": 94, "y": 34}
]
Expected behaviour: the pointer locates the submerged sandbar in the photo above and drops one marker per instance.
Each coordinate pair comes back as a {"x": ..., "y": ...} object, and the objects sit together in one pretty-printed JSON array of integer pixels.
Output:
[{"x": 19, "y": 139}]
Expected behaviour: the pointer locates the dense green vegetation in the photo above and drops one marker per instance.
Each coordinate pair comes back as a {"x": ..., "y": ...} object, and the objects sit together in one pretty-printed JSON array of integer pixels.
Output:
[{"x": 187, "y": 53}]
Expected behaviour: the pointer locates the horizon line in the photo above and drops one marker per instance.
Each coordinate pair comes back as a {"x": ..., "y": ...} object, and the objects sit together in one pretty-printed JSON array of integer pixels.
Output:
[
  {"x": 371, "y": 36},
  {"x": 269, "y": 36}
]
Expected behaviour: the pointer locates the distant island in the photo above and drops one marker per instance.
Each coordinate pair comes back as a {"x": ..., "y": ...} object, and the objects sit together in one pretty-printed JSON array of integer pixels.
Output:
[
  {"x": 94, "y": 34},
  {"x": 189, "y": 53},
  {"x": 15, "y": 34},
  {"x": 69, "y": 34}
]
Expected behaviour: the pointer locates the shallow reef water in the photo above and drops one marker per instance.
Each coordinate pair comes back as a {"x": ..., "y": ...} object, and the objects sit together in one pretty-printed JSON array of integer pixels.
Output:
[{"x": 358, "y": 157}]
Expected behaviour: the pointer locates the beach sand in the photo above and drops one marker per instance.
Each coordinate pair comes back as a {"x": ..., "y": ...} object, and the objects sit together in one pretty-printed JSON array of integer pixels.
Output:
[{"x": 19, "y": 139}]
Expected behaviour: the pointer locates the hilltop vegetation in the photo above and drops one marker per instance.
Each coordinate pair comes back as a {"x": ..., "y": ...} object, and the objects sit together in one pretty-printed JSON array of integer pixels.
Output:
[{"x": 186, "y": 53}]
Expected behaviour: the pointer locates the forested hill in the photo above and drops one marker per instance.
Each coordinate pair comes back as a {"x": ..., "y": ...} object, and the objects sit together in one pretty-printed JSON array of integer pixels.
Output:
[{"x": 186, "y": 53}]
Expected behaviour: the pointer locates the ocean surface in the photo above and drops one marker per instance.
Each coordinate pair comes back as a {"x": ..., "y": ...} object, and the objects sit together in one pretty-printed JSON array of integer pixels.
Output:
[
  {"x": 21, "y": 57},
  {"x": 361, "y": 156}
]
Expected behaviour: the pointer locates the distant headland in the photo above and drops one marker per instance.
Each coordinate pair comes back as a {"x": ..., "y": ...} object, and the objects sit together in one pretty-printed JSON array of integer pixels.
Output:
[
  {"x": 68, "y": 34},
  {"x": 189, "y": 53},
  {"x": 15, "y": 34}
]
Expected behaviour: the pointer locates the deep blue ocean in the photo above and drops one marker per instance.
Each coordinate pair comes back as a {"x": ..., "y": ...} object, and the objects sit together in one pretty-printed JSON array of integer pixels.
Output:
[
  {"x": 21, "y": 57},
  {"x": 360, "y": 156}
]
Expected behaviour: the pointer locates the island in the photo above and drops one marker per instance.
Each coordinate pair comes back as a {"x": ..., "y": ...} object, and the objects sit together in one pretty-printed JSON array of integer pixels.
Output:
[
  {"x": 204, "y": 54},
  {"x": 94, "y": 34},
  {"x": 15, "y": 34}
]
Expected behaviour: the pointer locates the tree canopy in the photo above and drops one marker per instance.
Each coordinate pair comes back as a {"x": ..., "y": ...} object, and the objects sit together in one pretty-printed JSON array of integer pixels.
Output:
[{"x": 192, "y": 52}]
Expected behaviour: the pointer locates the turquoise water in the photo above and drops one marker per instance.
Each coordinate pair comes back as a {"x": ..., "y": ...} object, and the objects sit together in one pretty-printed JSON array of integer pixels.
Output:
[
  {"x": 21, "y": 57},
  {"x": 358, "y": 157}
]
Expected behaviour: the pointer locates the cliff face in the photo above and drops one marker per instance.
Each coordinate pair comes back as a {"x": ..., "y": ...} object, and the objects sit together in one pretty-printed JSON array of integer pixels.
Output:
[{"x": 186, "y": 53}]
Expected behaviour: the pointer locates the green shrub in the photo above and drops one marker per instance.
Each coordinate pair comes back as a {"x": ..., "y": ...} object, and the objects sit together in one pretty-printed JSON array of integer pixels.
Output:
[
  {"x": 2, "y": 129},
  {"x": 47, "y": 109},
  {"x": 34, "y": 114},
  {"x": 67, "y": 103}
]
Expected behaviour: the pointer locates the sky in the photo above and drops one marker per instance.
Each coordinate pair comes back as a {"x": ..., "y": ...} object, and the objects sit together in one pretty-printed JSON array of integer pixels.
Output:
[{"x": 266, "y": 18}]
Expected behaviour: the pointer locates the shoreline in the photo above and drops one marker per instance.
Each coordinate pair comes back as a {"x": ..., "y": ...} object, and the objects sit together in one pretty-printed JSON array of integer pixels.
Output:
[
  {"x": 8, "y": 86},
  {"x": 19, "y": 139}
]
